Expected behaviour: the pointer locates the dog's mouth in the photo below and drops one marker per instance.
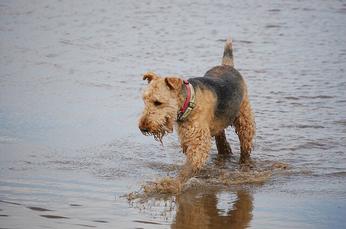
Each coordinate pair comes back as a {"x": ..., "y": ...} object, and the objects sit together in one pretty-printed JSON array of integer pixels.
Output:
[{"x": 159, "y": 133}]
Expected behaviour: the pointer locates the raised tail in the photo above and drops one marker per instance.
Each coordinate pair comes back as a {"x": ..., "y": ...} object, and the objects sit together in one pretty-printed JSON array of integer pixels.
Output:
[{"x": 227, "y": 58}]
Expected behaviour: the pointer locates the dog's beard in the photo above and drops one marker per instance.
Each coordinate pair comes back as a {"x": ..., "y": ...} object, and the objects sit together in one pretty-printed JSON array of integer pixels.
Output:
[
  {"x": 159, "y": 135},
  {"x": 160, "y": 132}
]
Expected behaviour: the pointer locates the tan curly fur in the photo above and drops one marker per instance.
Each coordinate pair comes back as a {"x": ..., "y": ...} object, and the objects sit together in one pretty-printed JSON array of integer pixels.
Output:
[{"x": 245, "y": 128}]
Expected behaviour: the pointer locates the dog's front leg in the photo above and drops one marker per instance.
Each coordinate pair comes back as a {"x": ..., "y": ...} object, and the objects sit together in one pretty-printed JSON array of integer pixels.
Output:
[{"x": 196, "y": 143}]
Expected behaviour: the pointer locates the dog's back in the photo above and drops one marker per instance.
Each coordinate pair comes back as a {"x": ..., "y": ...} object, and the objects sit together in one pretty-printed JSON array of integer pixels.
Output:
[{"x": 226, "y": 83}]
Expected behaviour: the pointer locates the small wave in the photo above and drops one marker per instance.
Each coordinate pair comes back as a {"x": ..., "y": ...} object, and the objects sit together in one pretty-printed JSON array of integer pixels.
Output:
[
  {"x": 312, "y": 145},
  {"x": 272, "y": 26},
  {"x": 310, "y": 126},
  {"x": 340, "y": 122},
  {"x": 291, "y": 98},
  {"x": 304, "y": 126},
  {"x": 54, "y": 217},
  {"x": 94, "y": 84},
  {"x": 337, "y": 174},
  {"x": 9, "y": 202},
  {"x": 274, "y": 10},
  {"x": 84, "y": 225},
  {"x": 100, "y": 221},
  {"x": 243, "y": 41},
  {"x": 39, "y": 209},
  {"x": 309, "y": 97},
  {"x": 308, "y": 9},
  {"x": 146, "y": 222},
  {"x": 76, "y": 205},
  {"x": 340, "y": 101},
  {"x": 319, "y": 97}
]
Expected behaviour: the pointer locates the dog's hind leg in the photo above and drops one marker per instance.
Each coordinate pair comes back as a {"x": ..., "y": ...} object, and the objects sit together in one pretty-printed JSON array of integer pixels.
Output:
[
  {"x": 245, "y": 128},
  {"x": 223, "y": 147}
]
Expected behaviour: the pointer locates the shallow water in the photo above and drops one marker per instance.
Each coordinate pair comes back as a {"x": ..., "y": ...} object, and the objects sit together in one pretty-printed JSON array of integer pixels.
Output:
[{"x": 70, "y": 97}]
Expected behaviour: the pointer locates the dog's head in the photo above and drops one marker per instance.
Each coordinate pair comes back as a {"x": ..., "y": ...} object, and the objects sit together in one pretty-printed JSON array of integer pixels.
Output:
[{"x": 161, "y": 99}]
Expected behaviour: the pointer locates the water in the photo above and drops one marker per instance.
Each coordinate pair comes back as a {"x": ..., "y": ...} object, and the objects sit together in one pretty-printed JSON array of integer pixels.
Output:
[{"x": 70, "y": 98}]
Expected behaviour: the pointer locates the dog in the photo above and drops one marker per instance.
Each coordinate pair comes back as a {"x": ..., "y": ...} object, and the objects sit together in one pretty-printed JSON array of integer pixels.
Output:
[{"x": 200, "y": 108}]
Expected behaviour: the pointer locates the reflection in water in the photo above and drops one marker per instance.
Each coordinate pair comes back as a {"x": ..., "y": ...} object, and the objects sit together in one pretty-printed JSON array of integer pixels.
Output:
[{"x": 201, "y": 211}]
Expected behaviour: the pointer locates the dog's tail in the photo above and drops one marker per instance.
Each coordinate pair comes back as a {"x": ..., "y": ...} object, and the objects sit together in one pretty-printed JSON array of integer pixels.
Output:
[{"x": 227, "y": 58}]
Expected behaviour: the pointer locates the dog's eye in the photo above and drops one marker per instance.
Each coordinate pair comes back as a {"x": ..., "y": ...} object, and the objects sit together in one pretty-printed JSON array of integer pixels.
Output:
[{"x": 157, "y": 103}]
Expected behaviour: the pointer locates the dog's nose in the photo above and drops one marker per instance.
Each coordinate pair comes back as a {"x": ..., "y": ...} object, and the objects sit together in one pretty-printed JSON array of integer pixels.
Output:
[{"x": 143, "y": 129}]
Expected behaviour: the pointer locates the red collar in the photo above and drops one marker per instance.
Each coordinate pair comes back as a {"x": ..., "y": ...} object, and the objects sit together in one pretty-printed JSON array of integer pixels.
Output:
[
  {"x": 189, "y": 102},
  {"x": 188, "y": 97}
]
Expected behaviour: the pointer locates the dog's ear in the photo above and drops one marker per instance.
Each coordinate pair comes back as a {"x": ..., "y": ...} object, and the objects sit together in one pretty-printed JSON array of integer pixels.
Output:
[
  {"x": 150, "y": 76},
  {"x": 173, "y": 83}
]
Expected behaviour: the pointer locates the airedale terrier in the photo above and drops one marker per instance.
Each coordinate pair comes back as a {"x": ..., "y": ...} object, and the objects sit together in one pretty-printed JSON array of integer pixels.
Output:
[{"x": 200, "y": 108}]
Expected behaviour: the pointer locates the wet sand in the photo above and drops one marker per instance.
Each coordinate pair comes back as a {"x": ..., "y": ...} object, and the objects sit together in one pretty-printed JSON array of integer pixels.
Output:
[{"x": 70, "y": 98}]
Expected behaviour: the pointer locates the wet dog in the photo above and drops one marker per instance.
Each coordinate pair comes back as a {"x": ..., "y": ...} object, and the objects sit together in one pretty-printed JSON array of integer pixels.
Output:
[{"x": 200, "y": 108}]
